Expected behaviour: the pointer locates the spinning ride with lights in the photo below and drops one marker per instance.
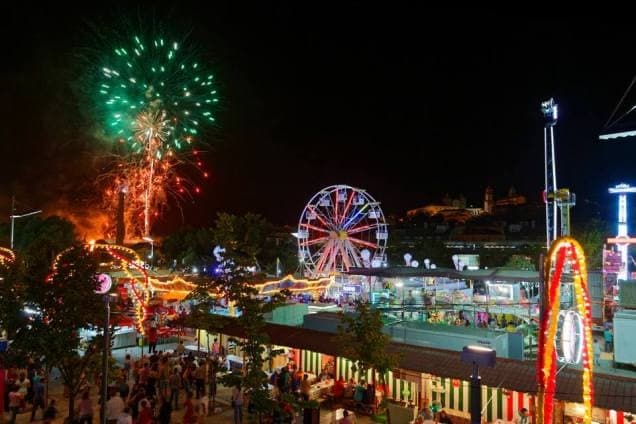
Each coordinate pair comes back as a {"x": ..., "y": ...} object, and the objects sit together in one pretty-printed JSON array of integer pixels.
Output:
[
  {"x": 6, "y": 256},
  {"x": 133, "y": 276},
  {"x": 129, "y": 271},
  {"x": 341, "y": 227},
  {"x": 565, "y": 333}
]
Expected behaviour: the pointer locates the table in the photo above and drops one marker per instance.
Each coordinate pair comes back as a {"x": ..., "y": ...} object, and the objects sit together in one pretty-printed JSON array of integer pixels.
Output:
[{"x": 320, "y": 389}]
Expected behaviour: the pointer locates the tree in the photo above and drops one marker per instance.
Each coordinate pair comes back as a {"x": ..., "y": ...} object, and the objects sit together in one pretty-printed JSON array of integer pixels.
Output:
[
  {"x": 45, "y": 237},
  {"x": 67, "y": 303},
  {"x": 37, "y": 242},
  {"x": 192, "y": 246},
  {"x": 12, "y": 296},
  {"x": 363, "y": 341},
  {"x": 252, "y": 310},
  {"x": 520, "y": 262},
  {"x": 243, "y": 238},
  {"x": 592, "y": 235}
]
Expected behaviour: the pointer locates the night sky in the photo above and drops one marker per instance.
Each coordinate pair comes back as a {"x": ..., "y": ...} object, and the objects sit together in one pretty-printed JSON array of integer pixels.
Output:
[{"x": 409, "y": 104}]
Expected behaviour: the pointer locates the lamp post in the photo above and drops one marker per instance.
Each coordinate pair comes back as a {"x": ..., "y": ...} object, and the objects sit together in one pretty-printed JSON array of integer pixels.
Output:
[
  {"x": 152, "y": 249},
  {"x": 105, "y": 284},
  {"x": 477, "y": 355},
  {"x": 102, "y": 407},
  {"x": 13, "y": 217}
]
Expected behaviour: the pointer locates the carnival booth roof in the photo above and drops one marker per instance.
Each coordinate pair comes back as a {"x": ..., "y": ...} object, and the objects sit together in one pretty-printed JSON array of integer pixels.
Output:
[{"x": 494, "y": 274}]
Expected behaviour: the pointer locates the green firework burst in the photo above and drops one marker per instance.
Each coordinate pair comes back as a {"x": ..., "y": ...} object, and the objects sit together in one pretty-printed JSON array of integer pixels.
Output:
[{"x": 155, "y": 85}]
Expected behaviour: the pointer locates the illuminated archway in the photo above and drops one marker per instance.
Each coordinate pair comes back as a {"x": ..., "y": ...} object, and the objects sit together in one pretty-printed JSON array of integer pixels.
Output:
[
  {"x": 135, "y": 273},
  {"x": 564, "y": 254}
]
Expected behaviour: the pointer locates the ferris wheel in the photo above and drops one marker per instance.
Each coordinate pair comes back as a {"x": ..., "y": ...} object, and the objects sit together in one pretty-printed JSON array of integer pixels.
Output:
[{"x": 341, "y": 227}]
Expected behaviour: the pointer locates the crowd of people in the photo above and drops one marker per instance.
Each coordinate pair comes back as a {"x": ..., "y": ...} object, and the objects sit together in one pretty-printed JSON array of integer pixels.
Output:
[
  {"x": 152, "y": 387},
  {"x": 147, "y": 391},
  {"x": 291, "y": 380},
  {"x": 26, "y": 390}
]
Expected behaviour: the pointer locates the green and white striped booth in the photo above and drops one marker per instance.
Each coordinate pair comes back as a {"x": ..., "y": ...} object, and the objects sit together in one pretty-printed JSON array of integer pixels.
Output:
[
  {"x": 311, "y": 361},
  {"x": 399, "y": 389},
  {"x": 497, "y": 403}
]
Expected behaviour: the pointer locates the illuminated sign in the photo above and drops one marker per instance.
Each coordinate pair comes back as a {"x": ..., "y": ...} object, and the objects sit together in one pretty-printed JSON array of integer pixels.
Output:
[
  {"x": 105, "y": 283},
  {"x": 351, "y": 289}
]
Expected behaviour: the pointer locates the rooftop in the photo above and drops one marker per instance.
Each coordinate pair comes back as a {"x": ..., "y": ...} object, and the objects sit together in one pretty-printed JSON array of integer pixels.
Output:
[
  {"x": 493, "y": 274},
  {"x": 612, "y": 391}
]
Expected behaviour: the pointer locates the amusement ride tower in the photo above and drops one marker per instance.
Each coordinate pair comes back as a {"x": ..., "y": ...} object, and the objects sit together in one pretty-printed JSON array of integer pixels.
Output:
[{"x": 622, "y": 239}]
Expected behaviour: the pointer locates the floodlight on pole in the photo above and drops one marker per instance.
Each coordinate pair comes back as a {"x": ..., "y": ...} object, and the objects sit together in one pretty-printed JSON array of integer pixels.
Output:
[
  {"x": 549, "y": 109},
  {"x": 477, "y": 355}
]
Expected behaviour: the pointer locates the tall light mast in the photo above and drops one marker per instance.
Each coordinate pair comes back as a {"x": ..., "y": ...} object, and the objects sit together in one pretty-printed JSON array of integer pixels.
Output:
[
  {"x": 554, "y": 197},
  {"x": 549, "y": 109}
]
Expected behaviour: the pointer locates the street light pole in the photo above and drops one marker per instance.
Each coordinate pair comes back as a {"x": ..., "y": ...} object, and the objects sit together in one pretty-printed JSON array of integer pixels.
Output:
[
  {"x": 102, "y": 408},
  {"x": 13, "y": 217},
  {"x": 477, "y": 355}
]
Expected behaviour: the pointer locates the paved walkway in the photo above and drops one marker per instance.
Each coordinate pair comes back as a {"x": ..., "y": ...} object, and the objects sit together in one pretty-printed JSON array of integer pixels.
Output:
[{"x": 222, "y": 415}]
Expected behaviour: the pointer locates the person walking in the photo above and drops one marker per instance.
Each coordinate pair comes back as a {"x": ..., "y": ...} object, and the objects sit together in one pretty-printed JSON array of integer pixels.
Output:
[
  {"x": 237, "y": 404},
  {"x": 189, "y": 416},
  {"x": 164, "y": 376},
  {"x": 15, "y": 399},
  {"x": 199, "y": 379},
  {"x": 128, "y": 365},
  {"x": 85, "y": 409},
  {"x": 175, "y": 384},
  {"x": 125, "y": 417},
  {"x": 165, "y": 411},
  {"x": 305, "y": 388},
  {"x": 145, "y": 413},
  {"x": 38, "y": 397},
  {"x": 114, "y": 407},
  {"x": 609, "y": 339},
  {"x": 152, "y": 338},
  {"x": 597, "y": 352},
  {"x": 216, "y": 349}
]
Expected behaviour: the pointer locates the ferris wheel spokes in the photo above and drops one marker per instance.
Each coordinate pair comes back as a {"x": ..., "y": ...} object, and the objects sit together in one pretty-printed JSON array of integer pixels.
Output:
[
  {"x": 362, "y": 242},
  {"x": 315, "y": 241},
  {"x": 354, "y": 253},
  {"x": 357, "y": 216},
  {"x": 325, "y": 220},
  {"x": 313, "y": 227},
  {"x": 346, "y": 208},
  {"x": 363, "y": 228},
  {"x": 341, "y": 227},
  {"x": 322, "y": 255}
]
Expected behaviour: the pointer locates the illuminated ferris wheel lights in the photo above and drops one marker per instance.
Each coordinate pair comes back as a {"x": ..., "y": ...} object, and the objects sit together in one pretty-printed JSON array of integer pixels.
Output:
[{"x": 336, "y": 226}]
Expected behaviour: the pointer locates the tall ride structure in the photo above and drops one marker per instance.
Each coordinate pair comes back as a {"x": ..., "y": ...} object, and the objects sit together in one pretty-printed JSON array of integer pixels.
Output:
[
  {"x": 554, "y": 198},
  {"x": 622, "y": 239},
  {"x": 550, "y": 112}
]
